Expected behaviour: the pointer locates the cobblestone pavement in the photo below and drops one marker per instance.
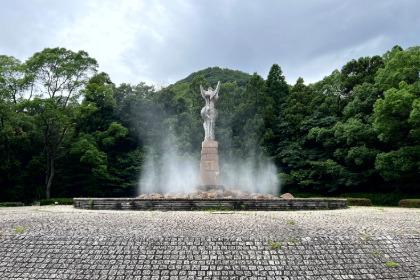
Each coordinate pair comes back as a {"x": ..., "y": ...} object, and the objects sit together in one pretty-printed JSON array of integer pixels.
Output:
[{"x": 60, "y": 242}]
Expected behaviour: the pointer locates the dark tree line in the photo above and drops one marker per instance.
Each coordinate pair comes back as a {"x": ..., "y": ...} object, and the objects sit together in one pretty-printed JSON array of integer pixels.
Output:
[{"x": 67, "y": 130}]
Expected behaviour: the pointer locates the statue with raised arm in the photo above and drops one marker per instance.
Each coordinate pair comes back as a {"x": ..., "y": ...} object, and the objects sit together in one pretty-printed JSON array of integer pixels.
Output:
[{"x": 209, "y": 112}]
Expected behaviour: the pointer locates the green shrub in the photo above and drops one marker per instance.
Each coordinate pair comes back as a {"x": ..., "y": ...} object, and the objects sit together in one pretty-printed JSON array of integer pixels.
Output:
[
  {"x": 60, "y": 201},
  {"x": 411, "y": 203},
  {"x": 359, "y": 201},
  {"x": 380, "y": 199},
  {"x": 11, "y": 204}
]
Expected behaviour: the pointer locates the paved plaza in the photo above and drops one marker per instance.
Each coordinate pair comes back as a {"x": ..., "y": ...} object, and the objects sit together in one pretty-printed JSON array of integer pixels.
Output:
[{"x": 60, "y": 242}]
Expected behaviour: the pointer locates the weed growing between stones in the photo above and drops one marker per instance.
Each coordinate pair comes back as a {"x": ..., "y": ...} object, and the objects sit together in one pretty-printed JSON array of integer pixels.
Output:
[
  {"x": 274, "y": 245},
  {"x": 376, "y": 253},
  {"x": 365, "y": 236},
  {"x": 19, "y": 230},
  {"x": 392, "y": 264},
  {"x": 291, "y": 222}
]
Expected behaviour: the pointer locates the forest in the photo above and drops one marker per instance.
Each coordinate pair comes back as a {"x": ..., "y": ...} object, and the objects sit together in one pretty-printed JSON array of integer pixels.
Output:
[{"x": 67, "y": 130}]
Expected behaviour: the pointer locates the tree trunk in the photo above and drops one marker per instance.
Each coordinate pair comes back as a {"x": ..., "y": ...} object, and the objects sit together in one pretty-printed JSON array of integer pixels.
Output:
[{"x": 50, "y": 177}]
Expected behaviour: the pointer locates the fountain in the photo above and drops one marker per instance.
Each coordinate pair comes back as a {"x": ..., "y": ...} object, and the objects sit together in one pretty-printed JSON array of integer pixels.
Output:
[{"x": 210, "y": 194}]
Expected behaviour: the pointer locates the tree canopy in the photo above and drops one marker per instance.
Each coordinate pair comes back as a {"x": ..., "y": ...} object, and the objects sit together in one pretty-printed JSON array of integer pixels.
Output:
[{"x": 67, "y": 130}]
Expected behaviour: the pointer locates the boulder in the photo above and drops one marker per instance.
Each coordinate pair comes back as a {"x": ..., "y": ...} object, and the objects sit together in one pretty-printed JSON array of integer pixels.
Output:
[{"x": 287, "y": 196}]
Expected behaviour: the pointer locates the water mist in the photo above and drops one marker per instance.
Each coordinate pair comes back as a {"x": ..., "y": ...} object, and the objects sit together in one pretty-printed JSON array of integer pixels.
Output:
[{"x": 168, "y": 171}]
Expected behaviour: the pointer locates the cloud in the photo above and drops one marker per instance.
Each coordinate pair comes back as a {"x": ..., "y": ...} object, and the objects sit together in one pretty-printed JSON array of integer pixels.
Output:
[{"x": 162, "y": 41}]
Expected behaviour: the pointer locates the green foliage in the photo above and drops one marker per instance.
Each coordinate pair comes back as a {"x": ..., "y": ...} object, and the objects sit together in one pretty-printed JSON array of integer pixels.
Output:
[
  {"x": 11, "y": 204},
  {"x": 403, "y": 163},
  {"x": 56, "y": 201},
  {"x": 90, "y": 155},
  {"x": 400, "y": 66},
  {"x": 214, "y": 74},
  {"x": 396, "y": 118},
  {"x": 68, "y": 131},
  {"x": 391, "y": 114},
  {"x": 274, "y": 245},
  {"x": 357, "y": 72},
  {"x": 359, "y": 201},
  {"x": 12, "y": 79},
  {"x": 392, "y": 264},
  {"x": 20, "y": 230},
  {"x": 291, "y": 222}
]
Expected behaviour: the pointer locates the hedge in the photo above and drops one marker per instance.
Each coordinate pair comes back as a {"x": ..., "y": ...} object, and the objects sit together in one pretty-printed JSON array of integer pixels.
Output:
[
  {"x": 11, "y": 204},
  {"x": 359, "y": 201},
  {"x": 60, "y": 201},
  {"x": 411, "y": 203}
]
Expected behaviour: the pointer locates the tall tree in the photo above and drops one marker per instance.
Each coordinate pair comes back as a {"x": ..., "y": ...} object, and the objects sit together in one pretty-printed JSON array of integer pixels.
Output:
[
  {"x": 275, "y": 95},
  {"x": 57, "y": 75},
  {"x": 276, "y": 86}
]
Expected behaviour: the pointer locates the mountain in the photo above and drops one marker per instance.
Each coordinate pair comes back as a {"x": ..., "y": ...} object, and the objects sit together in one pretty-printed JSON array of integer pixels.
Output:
[{"x": 212, "y": 75}]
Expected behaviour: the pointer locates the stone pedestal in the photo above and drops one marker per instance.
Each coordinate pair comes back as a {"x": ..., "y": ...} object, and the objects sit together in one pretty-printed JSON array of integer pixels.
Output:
[{"x": 209, "y": 164}]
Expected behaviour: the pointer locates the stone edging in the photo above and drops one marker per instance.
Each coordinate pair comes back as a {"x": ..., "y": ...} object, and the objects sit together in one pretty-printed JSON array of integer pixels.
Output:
[{"x": 209, "y": 204}]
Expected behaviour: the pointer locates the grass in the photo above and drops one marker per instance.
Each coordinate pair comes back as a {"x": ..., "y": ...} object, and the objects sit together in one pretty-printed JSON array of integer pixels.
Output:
[
  {"x": 392, "y": 264},
  {"x": 19, "y": 230},
  {"x": 291, "y": 222},
  {"x": 274, "y": 245}
]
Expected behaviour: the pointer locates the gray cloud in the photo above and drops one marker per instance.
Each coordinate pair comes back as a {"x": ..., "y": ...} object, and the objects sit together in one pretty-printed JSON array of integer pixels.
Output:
[
  {"x": 30, "y": 26},
  {"x": 163, "y": 41}
]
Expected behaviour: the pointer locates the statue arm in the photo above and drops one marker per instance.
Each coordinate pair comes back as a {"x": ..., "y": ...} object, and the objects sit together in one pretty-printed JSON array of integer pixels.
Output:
[{"x": 216, "y": 92}]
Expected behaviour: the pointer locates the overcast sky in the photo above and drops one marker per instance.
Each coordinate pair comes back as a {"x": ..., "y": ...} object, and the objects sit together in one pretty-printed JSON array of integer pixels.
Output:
[{"x": 160, "y": 42}]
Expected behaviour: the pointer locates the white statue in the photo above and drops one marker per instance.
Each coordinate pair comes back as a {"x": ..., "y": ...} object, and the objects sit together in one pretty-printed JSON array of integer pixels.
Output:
[{"x": 209, "y": 112}]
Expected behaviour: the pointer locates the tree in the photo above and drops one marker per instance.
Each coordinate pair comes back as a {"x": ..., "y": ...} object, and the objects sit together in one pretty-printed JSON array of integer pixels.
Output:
[
  {"x": 396, "y": 119},
  {"x": 12, "y": 80},
  {"x": 57, "y": 75},
  {"x": 357, "y": 72},
  {"x": 400, "y": 66},
  {"x": 276, "y": 86},
  {"x": 72, "y": 132}
]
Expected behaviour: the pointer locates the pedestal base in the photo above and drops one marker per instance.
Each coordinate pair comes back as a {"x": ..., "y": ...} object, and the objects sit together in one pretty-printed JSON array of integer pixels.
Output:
[
  {"x": 209, "y": 164},
  {"x": 211, "y": 188}
]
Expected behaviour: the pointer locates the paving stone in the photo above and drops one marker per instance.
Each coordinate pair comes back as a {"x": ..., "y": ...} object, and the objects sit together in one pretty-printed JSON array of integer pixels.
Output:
[{"x": 60, "y": 242}]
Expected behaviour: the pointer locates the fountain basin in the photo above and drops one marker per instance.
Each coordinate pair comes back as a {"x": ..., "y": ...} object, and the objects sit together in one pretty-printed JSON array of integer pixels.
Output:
[{"x": 171, "y": 204}]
